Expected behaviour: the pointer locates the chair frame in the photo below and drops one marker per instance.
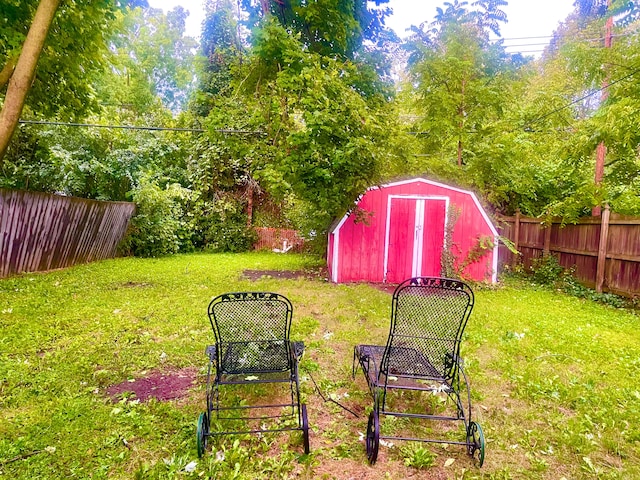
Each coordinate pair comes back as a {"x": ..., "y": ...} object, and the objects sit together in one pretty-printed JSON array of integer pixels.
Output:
[
  {"x": 227, "y": 372},
  {"x": 380, "y": 367}
]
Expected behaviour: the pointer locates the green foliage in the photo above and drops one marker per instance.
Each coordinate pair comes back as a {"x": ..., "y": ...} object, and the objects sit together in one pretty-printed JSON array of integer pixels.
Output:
[
  {"x": 322, "y": 123},
  {"x": 526, "y": 136},
  {"x": 223, "y": 224},
  {"x": 151, "y": 63},
  {"x": 158, "y": 226},
  {"x": 66, "y": 68},
  {"x": 326, "y": 27},
  {"x": 547, "y": 271},
  {"x": 90, "y": 163},
  {"x": 459, "y": 106},
  {"x": 310, "y": 88},
  {"x": 417, "y": 456},
  {"x": 220, "y": 49},
  {"x": 334, "y": 146}
]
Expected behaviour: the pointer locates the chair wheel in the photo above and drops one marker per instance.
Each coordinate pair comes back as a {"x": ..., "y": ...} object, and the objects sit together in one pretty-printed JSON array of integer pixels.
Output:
[
  {"x": 475, "y": 442},
  {"x": 373, "y": 437},
  {"x": 202, "y": 433},
  {"x": 305, "y": 428}
]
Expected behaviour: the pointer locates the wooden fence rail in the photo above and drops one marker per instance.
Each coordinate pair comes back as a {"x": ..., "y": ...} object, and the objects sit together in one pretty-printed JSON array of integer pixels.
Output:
[
  {"x": 41, "y": 231},
  {"x": 604, "y": 252}
]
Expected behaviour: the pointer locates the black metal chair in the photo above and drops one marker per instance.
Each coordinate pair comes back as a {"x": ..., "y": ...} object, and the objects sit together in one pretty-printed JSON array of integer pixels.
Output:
[
  {"x": 252, "y": 347},
  {"x": 428, "y": 317}
]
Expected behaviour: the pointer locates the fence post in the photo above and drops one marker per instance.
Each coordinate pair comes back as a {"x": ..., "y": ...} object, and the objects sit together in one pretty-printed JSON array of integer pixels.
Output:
[
  {"x": 516, "y": 238},
  {"x": 547, "y": 240},
  {"x": 602, "y": 249}
]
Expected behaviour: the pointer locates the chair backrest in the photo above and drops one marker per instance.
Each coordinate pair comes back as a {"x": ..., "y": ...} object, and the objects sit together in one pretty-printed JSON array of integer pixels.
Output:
[
  {"x": 428, "y": 317},
  {"x": 252, "y": 331}
]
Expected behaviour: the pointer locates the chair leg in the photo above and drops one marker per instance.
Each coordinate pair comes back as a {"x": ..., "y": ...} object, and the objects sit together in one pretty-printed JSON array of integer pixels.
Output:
[
  {"x": 353, "y": 365},
  {"x": 305, "y": 429}
]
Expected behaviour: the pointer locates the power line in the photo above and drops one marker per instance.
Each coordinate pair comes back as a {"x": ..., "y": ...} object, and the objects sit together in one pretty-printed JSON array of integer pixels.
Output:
[
  {"x": 599, "y": 39},
  {"x": 526, "y": 38},
  {"x": 525, "y": 45},
  {"x": 527, "y": 51},
  {"x": 136, "y": 127},
  {"x": 582, "y": 98},
  {"x": 533, "y": 122}
]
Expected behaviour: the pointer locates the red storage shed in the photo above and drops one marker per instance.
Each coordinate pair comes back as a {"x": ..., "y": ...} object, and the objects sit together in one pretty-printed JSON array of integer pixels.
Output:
[{"x": 401, "y": 230}]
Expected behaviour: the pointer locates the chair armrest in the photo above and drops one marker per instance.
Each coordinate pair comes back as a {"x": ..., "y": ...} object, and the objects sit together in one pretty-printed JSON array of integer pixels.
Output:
[
  {"x": 211, "y": 351},
  {"x": 450, "y": 361},
  {"x": 297, "y": 349}
]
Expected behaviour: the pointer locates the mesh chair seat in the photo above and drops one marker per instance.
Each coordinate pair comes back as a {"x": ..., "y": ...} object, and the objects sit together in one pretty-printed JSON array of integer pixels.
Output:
[
  {"x": 254, "y": 357},
  {"x": 403, "y": 362}
]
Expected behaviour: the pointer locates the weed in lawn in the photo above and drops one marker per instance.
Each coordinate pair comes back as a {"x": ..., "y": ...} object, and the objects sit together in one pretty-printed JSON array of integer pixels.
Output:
[{"x": 417, "y": 455}]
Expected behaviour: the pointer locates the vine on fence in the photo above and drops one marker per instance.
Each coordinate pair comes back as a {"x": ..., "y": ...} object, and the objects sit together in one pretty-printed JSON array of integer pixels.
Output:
[
  {"x": 451, "y": 265},
  {"x": 447, "y": 257}
]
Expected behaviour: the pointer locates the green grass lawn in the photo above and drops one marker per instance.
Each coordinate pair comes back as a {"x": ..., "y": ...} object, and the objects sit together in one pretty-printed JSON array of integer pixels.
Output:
[{"x": 555, "y": 379}]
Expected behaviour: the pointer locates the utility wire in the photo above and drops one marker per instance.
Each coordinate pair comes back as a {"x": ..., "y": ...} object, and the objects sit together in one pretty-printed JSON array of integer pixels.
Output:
[
  {"x": 135, "y": 127},
  {"x": 600, "y": 39},
  {"x": 577, "y": 37},
  {"x": 533, "y": 122},
  {"x": 582, "y": 98},
  {"x": 329, "y": 399}
]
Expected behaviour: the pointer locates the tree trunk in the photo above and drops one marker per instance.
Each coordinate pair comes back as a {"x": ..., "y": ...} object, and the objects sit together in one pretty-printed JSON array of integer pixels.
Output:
[
  {"x": 250, "y": 204},
  {"x": 25, "y": 71},
  {"x": 461, "y": 122},
  {"x": 265, "y": 7}
]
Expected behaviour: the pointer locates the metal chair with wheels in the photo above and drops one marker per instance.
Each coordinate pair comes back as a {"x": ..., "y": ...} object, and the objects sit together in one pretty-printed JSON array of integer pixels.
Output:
[
  {"x": 422, "y": 353},
  {"x": 252, "y": 348}
]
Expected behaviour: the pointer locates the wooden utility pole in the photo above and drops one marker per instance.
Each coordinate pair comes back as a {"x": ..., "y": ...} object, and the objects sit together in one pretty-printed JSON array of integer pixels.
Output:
[{"x": 601, "y": 150}]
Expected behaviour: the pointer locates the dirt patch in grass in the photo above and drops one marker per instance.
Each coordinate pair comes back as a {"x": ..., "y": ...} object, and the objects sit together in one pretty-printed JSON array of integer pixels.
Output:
[
  {"x": 162, "y": 385},
  {"x": 254, "y": 275}
]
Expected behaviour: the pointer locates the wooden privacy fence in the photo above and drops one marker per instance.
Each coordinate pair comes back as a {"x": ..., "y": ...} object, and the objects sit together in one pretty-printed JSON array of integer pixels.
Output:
[
  {"x": 603, "y": 251},
  {"x": 41, "y": 231},
  {"x": 279, "y": 239}
]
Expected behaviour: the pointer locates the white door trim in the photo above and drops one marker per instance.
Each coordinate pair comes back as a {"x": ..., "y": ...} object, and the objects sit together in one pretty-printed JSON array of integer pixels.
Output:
[{"x": 418, "y": 240}]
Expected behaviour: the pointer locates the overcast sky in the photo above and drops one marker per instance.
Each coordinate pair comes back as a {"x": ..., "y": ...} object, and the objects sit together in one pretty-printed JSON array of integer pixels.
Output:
[{"x": 527, "y": 18}]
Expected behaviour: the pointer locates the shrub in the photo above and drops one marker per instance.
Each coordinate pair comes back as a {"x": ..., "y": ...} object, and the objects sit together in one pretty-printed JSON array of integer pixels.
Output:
[
  {"x": 158, "y": 227},
  {"x": 547, "y": 271}
]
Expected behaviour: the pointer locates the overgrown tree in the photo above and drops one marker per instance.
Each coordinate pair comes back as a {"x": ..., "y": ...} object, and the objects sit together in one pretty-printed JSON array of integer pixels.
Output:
[
  {"x": 327, "y": 27},
  {"x": 460, "y": 78}
]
